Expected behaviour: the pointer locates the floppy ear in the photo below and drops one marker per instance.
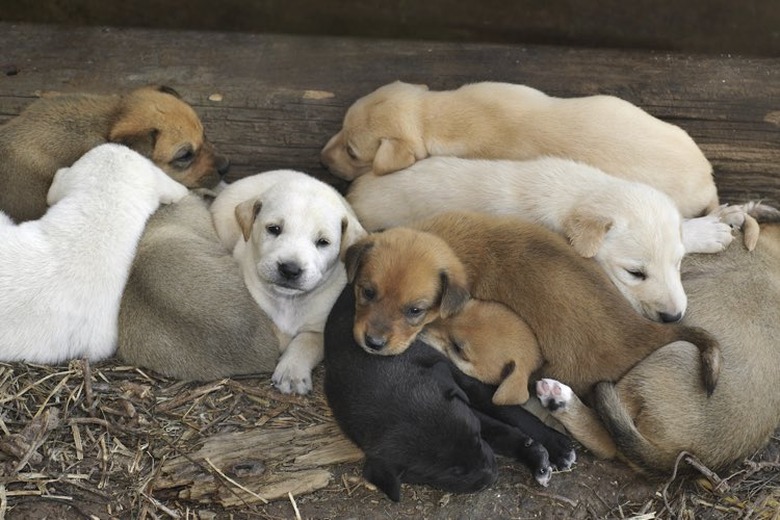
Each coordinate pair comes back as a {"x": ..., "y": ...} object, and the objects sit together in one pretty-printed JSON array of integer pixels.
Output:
[
  {"x": 392, "y": 155},
  {"x": 586, "y": 231},
  {"x": 513, "y": 388},
  {"x": 383, "y": 476},
  {"x": 246, "y": 213},
  {"x": 454, "y": 294},
  {"x": 142, "y": 141},
  {"x": 354, "y": 256},
  {"x": 351, "y": 232}
]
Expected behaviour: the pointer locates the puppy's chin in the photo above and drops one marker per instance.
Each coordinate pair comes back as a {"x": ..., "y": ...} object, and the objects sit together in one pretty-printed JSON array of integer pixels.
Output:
[{"x": 287, "y": 290}]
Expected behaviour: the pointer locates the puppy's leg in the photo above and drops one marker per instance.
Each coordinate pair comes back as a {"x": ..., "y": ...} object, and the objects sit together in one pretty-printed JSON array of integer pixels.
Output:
[
  {"x": 579, "y": 420},
  {"x": 707, "y": 234},
  {"x": 293, "y": 371},
  {"x": 511, "y": 442}
]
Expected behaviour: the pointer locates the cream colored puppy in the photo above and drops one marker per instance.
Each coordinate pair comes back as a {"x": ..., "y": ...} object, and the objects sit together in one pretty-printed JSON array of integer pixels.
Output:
[
  {"x": 399, "y": 124},
  {"x": 288, "y": 232},
  {"x": 630, "y": 228},
  {"x": 62, "y": 276}
]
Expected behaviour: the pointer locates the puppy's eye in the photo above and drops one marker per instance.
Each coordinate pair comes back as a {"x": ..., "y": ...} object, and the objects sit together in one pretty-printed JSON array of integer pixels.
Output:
[
  {"x": 274, "y": 229},
  {"x": 183, "y": 158},
  {"x": 322, "y": 242},
  {"x": 414, "y": 312},
  {"x": 351, "y": 153},
  {"x": 368, "y": 293},
  {"x": 637, "y": 274}
]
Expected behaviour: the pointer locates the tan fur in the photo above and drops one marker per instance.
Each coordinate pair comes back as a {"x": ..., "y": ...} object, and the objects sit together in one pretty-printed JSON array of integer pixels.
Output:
[
  {"x": 397, "y": 297},
  {"x": 186, "y": 312},
  {"x": 586, "y": 331},
  {"x": 655, "y": 411},
  {"x": 55, "y": 131},
  {"x": 468, "y": 336},
  {"x": 398, "y": 124}
]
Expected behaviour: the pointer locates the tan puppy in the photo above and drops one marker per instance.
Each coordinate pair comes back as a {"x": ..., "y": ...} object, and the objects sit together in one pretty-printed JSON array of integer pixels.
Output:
[
  {"x": 399, "y": 124},
  {"x": 489, "y": 342},
  {"x": 186, "y": 312},
  {"x": 656, "y": 410},
  {"x": 587, "y": 333},
  {"x": 55, "y": 131}
]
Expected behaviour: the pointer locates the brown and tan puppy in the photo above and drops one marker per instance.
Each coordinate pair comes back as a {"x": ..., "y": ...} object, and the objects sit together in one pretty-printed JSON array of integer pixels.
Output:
[
  {"x": 398, "y": 124},
  {"x": 655, "y": 411},
  {"x": 489, "y": 342},
  {"x": 55, "y": 131},
  {"x": 586, "y": 331}
]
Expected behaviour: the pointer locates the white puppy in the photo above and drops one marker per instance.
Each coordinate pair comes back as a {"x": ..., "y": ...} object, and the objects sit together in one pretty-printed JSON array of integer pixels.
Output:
[
  {"x": 630, "y": 228},
  {"x": 288, "y": 232},
  {"x": 62, "y": 277}
]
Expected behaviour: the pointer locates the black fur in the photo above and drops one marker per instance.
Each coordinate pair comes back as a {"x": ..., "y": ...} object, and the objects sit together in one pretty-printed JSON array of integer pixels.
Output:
[{"x": 412, "y": 420}]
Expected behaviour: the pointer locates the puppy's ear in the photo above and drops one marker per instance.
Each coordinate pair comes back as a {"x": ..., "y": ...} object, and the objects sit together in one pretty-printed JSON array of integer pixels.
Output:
[
  {"x": 246, "y": 213},
  {"x": 354, "y": 257},
  {"x": 142, "y": 141},
  {"x": 454, "y": 294},
  {"x": 393, "y": 155},
  {"x": 383, "y": 476},
  {"x": 586, "y": 231},
  {"x": 351, "y": 232},
  {"x": 513, "y": 388}
]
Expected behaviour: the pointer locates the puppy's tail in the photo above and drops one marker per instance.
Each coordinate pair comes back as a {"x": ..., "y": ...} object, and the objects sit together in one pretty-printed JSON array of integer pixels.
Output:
[
  {"x": 628, "y": 439},
  {"x": 709, "y": 353},
  {"x": 756, "y": 213}
]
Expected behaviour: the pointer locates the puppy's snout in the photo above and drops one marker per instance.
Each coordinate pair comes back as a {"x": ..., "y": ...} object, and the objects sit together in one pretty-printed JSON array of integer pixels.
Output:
[
  {"x": 374, "y": 343},
  {"x": 670, "y": 318},
  {"x": 222, "y": 164},
  {"x": 290, "y": 270}
]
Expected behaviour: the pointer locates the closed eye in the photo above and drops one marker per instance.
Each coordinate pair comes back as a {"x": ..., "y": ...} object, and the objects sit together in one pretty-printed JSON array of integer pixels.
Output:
[
  {"x": 637, "y": 274},
  {"x": 183, "y": 158},
  {"x": 351, "y": 153},
  {"x": 322, "y": 242}
]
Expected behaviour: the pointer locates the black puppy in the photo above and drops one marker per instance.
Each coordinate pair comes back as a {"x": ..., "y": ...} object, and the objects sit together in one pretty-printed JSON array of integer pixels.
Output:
[{"x": 416, "y": 424}]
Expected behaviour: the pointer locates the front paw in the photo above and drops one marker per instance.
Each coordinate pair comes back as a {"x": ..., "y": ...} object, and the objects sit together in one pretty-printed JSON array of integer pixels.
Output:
[
  {"x": 291, "y": 378},
  {"x": 709, "y": 234},
  {"x": 553, "y": 395}
]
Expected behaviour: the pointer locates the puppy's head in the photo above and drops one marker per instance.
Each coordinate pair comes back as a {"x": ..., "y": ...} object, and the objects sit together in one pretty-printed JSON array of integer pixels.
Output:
[
  {"x": 381, "y": 133},
  {"x": 157, "y": 123},
  {"x": 638, "y": 242},
  {"x": 403, "y": 280},
  {"x": 489, "y": 342},
  {"x": 296, "y": 234}
]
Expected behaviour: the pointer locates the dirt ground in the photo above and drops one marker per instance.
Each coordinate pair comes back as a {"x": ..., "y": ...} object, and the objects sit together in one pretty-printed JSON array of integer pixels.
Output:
[{"x": 107, "y": 441}]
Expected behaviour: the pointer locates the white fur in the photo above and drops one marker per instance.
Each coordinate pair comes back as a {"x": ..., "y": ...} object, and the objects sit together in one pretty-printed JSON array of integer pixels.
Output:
[
  {"x": 643, "y": 223},
  {"x": 62, "y": 277},
  {"x": 306, "y": 211}
]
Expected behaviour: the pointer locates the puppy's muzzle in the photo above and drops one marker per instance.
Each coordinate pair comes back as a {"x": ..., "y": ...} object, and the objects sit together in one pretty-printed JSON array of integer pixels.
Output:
[
  {"x": 669, "y": 318},
  {"x": 374, "y": 343},
  {"x": 222, "y": 164}
]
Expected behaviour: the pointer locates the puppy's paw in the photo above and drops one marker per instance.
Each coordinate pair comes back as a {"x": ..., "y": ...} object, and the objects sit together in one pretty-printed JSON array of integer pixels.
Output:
[
  {"x": 708, "y": 234},
  {"x": 733, "y": 216},
  {"x": 172, "y": 192},
  {"x": 553, "y": 394},
  {"x": 291, "y": 378}
]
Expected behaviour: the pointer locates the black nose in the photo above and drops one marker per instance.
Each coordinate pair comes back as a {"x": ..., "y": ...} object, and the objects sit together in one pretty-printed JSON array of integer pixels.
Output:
[
  {"x": 375, "y": 343},
  {"x": 669, "y": 318},
  {"x": 223, "y": 165},
  {"x": 290, "y": 270}
]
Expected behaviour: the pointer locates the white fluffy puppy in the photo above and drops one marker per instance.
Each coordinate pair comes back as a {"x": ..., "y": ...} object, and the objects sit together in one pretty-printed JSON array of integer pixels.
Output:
[
  {"x": 288, "y": 232},
  {"x": 62, "y": 277},
  {"x": 632, "y": 229}
]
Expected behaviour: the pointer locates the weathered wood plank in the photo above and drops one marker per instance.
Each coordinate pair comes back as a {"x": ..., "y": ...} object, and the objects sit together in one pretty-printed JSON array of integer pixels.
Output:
[{"x": 267, "y": 117}]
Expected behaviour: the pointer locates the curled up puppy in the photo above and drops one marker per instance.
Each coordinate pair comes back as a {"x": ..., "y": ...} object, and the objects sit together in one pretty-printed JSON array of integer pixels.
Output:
[{"x": 62, "y": 276}]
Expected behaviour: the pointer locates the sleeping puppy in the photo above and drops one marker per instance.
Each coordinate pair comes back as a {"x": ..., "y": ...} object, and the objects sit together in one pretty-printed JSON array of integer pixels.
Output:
[
  {"x": 631, "y": 229},
  {"x": 288, "y": 231},
  {"x": 406, "y": 278},
  {"x": 55, "y": 131},
  {"x": 413, "y": 417},
  {"x": 655, "y": 411},
  {"x": 399, "y": 124},
  {"x": 62, "y": 276},
  {"x": 186, "y": 312}
]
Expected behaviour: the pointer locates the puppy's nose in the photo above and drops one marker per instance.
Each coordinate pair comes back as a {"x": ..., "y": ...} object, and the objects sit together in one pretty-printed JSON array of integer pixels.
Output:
[
  {"x": 375, "y": 343},
  {"x": 222, "y": 164},
  {"x": 669, "y": 318},
  {"x": 290, "y": 270}
]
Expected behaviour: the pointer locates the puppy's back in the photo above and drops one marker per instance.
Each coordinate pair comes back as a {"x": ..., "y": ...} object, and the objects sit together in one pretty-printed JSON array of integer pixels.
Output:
[{"x": 186, "y": 312}]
